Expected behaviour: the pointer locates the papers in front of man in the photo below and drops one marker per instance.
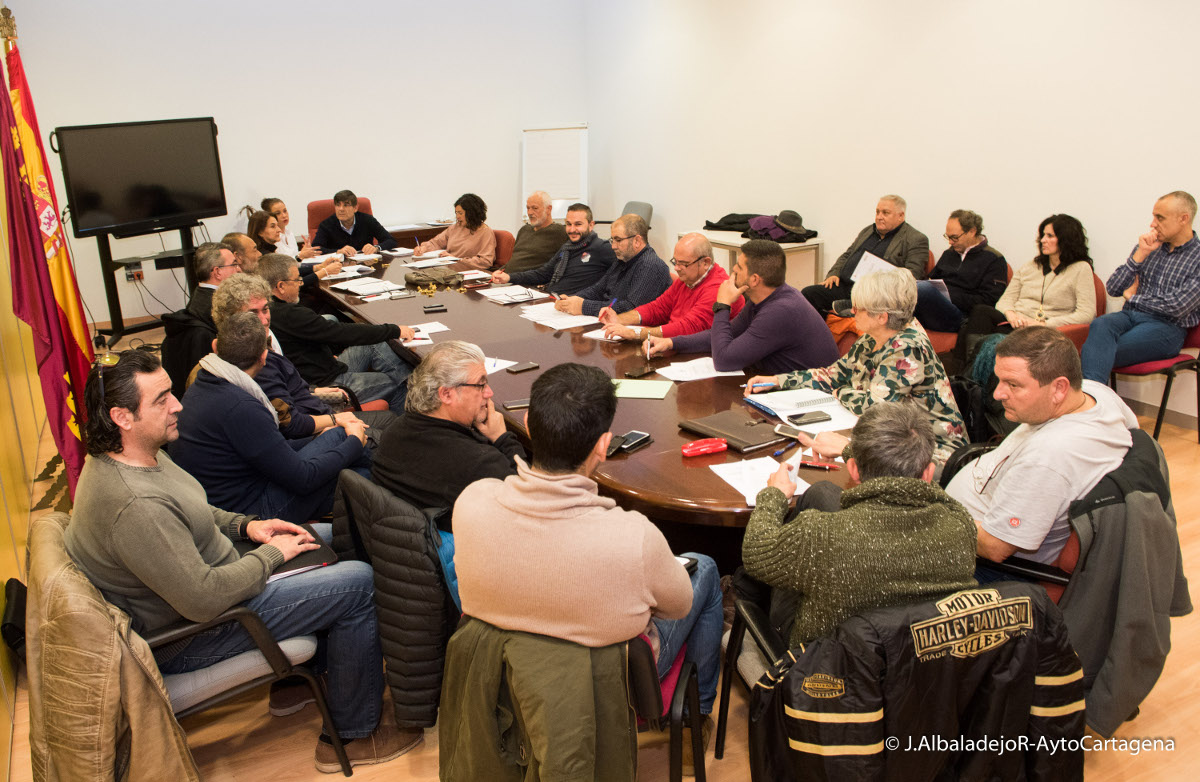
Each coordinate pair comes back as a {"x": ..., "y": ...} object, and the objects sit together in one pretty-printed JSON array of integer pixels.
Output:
[
  {"x": 496, "y": 364},
  {"x": 350, "y": 272},
  {"x": 941, "y": 287},
  {"x": 432, "y": 327},
  {"x": 426, "y": 264},
  {"x": 641, "y": 389},
  {"x": 546, "y": 315},
  {"x": 869, "y": 263},
  {"x": 511, "y": 294},
  {"x": 750, "y": 476},
  {"x": 319, "y": 259},
  {"x": 698, "y": 369},
  {"x": 804, "y": 400},
  {"x": 366, "y": 286},
  {"x": 398, "y": 252},
  {"x": 365, "y": 257},
  {"x": 475, "y": 274},
  {"x": 405, "y": 227}
]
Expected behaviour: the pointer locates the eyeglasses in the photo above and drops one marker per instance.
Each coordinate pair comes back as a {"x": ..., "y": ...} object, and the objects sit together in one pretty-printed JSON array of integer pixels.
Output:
[
  {"x": 293, "y": 279},
  {"x": 619, "y": 239},
  {"x": 480, "y": 386},
  {"x": 981, "y": 483},
  {"x": 682, "y": 265},
  {"x": 106, "y": 359},
  {"x": 952, "y": 237}
]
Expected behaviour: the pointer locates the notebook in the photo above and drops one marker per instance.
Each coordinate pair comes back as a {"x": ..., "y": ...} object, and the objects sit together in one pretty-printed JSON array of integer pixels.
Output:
[
  {"x": 742, "y": 432},
  {"x": 309, "y": 560}
]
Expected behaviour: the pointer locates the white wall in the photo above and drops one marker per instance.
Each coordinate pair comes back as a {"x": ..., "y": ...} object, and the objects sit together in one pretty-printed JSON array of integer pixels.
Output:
[
  {"x": 1014, "y": 109},
  {"x": 409, "y": 103}
]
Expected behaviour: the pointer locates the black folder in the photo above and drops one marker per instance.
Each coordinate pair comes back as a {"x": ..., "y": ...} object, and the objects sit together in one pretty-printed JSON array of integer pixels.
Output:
[{"x": 742, "y": 432}]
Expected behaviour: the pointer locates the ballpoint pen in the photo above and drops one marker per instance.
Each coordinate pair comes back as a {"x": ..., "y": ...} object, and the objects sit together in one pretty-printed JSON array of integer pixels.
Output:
[{"x": 759, "y": 385}]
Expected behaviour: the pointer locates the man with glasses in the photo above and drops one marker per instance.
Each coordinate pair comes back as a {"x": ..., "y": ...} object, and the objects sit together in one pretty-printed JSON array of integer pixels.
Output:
[
  {"x": 889, "y": 238},
  {"x": 686, "y": 307},
  {"x": 189, "y": 332},
  {"x": 451, "y": 435},
  {"x": 366, "y": 365},
  {"x": 143, "y": 532},
  {"x": 1072, "y": 433},
  {"x": 581, "y": 261},
  {"x": 638, "y": 277},
  {"x": 973, "y": 271},
  {"x": 776, "y": 331}
]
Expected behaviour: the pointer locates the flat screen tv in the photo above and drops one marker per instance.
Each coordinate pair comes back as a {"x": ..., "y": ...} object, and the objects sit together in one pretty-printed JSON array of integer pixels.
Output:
[{"x": 134, "y": 178}]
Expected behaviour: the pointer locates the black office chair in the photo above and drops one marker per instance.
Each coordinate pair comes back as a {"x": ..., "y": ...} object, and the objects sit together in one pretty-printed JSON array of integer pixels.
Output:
[{"x": 647, "y": 693}]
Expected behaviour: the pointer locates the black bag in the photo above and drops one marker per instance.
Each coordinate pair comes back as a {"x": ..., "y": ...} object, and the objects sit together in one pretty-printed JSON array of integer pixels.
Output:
[
  {"x": 982, "y": 415},
  {"x": 12, "y": 624}
]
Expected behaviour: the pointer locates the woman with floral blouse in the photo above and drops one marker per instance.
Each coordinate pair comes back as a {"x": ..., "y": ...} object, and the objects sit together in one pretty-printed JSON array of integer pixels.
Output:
[{"x": 892, "y": 361}]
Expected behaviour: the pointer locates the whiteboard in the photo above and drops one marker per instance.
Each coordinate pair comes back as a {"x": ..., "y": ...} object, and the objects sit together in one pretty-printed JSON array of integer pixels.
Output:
[{"x": 555, "y": 159}]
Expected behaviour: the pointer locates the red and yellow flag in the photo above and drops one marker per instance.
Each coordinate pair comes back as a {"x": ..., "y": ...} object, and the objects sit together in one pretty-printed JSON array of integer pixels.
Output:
[{"x": 45, "y": 293}]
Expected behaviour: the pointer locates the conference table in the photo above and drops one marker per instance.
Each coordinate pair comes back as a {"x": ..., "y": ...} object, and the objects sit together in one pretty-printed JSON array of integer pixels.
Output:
[{"x": 657, "y": 479}]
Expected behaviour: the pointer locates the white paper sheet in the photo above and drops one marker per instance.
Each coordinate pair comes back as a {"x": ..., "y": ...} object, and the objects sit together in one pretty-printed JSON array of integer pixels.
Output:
[
  {"x": 432, "y": 327},
  {"x": 496, "y": 364},
  {"x": 364, "y": 257},
  {"x": 350, "y": 272},
  {"x": 430, "y": 263},
  {"x": 750, "y": 476},
  {"x": 869, "y": 263},
  {"x": 511, "y": 294},
  {"x": 698, "y": 369}
]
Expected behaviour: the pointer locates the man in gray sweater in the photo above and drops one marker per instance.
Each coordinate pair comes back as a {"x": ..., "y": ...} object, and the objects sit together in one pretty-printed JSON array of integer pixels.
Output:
[{"x": 143, "y": 532}]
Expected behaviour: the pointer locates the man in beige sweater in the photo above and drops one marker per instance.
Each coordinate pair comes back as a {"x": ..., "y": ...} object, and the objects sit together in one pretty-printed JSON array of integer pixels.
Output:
[{"x": 542, "y": 552}]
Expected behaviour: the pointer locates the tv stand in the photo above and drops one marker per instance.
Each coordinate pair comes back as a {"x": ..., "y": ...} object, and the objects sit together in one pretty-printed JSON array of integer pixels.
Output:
[{"x": 110, "y": 269}]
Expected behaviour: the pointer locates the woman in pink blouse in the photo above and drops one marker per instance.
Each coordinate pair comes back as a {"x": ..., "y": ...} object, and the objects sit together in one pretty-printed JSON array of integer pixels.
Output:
[{"x": 469, "y": 238}]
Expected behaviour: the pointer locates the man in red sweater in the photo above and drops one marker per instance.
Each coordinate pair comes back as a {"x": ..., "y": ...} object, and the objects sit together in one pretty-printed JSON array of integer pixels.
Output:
[{"x": 683, "y": 308}]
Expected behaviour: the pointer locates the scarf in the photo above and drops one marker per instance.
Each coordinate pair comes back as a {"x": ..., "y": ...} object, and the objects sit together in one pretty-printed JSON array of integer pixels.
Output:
[
  {"x": 219, "y": 367},
  {"x": 564, "y": 255}
]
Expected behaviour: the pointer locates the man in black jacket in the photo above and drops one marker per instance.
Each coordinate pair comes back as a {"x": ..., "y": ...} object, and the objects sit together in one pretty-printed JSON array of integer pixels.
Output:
[
  {"x": 580, "y": 261},
  {"x": 329, "y": 352},
  {"x": 191, "y": 330},
  {"x": 452, "y": 434},
  {"x": 973, "y": 271},
  {"x": 350, "y": 230}
]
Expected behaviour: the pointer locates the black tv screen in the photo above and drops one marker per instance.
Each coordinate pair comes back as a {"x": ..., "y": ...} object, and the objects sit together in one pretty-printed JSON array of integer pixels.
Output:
[{"x": 136, "y": 178}]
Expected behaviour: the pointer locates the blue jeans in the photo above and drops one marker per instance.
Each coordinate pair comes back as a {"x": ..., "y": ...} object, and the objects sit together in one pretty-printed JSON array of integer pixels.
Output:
[
  {"x": 1128, "y": 337},
  {"x": 375, "y": 372},
  {"x": 280, "y": 502},
  {"x": 339, "y": 601},
  {"x": 935, "y": 311},
  {"x": 701, "y": 630}
]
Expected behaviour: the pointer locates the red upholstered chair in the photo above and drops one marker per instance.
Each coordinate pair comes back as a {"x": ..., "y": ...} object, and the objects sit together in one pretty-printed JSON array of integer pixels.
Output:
[
  {"x": 660, "y": 703},
  {"x": 504, "y": 246},
  {"x": 944, "y": 341},
  {"x": 1168, "y": 367},
  {"x": 1078, "y": 332},
  {"x": 319, "y": 210}
]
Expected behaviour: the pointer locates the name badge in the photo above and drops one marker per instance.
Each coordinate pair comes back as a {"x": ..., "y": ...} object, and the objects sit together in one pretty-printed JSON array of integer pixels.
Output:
[{"x": 585, "y": 257}]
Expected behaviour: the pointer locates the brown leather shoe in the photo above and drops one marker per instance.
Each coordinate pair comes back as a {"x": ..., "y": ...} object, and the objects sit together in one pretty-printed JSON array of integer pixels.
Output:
[
  {"x": 386, "y": 743},
  {"x": 706, "y": 729}
]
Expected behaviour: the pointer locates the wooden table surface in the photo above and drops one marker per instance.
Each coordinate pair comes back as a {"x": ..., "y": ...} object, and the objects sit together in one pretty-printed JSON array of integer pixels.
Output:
[{"x": 656, "y": 480}]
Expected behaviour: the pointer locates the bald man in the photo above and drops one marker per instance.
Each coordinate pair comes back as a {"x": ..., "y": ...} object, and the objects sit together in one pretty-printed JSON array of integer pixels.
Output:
[
  {"x": 686, "y": 307},
  {"x": 539, "y": 239},
  {"x": 638, "y": 277}
]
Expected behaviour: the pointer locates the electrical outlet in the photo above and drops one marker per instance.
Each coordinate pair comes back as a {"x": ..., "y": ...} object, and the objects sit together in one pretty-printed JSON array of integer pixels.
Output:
[{"x": 133, "y": 272}]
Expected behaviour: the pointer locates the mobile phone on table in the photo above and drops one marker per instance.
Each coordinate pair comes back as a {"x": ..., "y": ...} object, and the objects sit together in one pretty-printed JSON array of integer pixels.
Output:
[
  {"x": 811, "y": 417},
  {"x": 517, "y": 404},
  {"x": 635, "y": 440},
  {"x": 428, "y": 308},
  {"x": 515, "y": 368},
  {"x": 789, "y": 431},
  {"x": 640, "y": 371},
  {"x": 614, "y": 445}
]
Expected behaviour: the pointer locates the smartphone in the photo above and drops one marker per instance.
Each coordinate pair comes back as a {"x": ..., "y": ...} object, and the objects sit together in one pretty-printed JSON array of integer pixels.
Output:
[
  {"x": 689, "y": 563},
  {"x": 515, "y": 368},
  {"x": 789, "y": 431},
  {"x": 434, "y": 308},
  {"x": 614, "y": 445},
  {"x": 641, "y": 371},
  {"x": 635, "y": 440},
  {"x": 812, "y": 417},
  {"x": 517, "y": 404}
]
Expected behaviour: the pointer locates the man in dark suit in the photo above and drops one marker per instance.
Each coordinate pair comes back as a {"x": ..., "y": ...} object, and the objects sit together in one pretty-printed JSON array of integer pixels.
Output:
[{"x": 889, "y": 238}]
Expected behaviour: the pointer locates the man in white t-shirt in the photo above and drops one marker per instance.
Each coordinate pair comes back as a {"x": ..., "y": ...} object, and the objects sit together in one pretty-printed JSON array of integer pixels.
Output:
[{"x": 1072, "y": 433}]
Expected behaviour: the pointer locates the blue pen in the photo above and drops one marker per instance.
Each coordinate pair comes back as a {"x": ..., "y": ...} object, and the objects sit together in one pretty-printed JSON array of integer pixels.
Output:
[{"x": 759, "y": 385}]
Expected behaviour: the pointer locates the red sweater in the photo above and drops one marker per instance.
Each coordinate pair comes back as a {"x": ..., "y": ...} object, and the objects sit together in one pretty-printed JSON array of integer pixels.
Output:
[{"x": 684, "y": 310}]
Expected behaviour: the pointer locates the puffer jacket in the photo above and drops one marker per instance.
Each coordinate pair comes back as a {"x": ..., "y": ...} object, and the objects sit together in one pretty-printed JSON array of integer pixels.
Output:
[
  {"x": 896, "y": 693},
  {"x": 98, "y": 709},
  {"x": 414, "y": 610}
]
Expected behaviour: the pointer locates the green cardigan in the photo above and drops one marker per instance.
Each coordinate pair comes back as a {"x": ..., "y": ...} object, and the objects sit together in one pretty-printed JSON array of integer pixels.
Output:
[{"x": 894, "y": 541}]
